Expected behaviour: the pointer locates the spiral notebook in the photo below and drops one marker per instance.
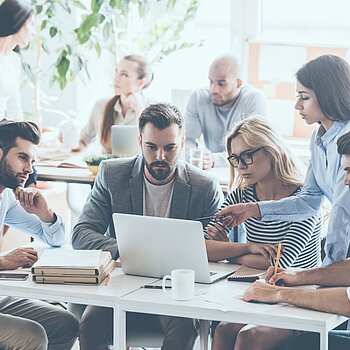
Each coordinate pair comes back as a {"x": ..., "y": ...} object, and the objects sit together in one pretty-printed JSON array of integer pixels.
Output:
[{"x": 246, "y": 274}]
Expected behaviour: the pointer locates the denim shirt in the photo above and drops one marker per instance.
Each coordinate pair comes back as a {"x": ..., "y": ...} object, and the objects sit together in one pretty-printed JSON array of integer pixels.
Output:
[
  {"x": 13, "y": 214},
  {"x": 324, "y": 178}
]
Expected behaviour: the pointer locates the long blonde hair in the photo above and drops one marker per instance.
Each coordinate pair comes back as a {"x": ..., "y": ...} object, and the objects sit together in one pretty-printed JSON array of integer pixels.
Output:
[{"x": 257, "y": 132}]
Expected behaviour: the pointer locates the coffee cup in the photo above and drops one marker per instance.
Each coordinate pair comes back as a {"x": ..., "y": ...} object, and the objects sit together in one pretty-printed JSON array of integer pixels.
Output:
[{"x": 182, "y": 284}]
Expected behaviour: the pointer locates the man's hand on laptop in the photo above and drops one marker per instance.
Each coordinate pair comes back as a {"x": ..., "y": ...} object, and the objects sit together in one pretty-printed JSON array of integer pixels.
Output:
[
  {"x": 33, "y": 202},
  {"x": 20, "y": 257}
]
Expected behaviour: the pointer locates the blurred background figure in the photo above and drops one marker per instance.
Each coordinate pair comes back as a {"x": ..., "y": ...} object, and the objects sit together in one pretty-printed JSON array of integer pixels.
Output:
[{"x": 133, "y": 74}]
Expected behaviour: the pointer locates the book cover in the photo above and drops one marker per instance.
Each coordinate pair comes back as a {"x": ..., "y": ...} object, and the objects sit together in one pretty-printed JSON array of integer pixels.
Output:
[
  {"x": 76, "y": 279},
  {"x": 63, "y": 262}
]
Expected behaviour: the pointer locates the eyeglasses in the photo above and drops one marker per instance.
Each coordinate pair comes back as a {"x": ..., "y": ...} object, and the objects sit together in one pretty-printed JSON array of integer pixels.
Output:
[{"x": 246, "y": 158}]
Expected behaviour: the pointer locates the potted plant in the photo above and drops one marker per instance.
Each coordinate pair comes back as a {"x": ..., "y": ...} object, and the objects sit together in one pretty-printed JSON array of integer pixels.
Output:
[{"x": 93, "y": 161}]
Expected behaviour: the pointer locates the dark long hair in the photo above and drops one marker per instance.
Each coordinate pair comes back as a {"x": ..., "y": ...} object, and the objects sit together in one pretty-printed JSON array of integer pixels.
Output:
[
  {"x": 13, "y": 15},
  {"x": 144, "y": 70},
  {"x": 329, "y": 77}
]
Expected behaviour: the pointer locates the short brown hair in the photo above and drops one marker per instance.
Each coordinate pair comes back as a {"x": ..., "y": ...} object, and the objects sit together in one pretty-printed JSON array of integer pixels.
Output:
[
  {"x": 343, "y": 144},
  {"x": 10, "y": 130},
  {"x": 161, "y": 115}
]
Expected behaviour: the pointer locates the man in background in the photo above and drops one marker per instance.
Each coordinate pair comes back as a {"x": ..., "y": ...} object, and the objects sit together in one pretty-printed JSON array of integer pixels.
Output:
[{"x": 213, "y": 111}]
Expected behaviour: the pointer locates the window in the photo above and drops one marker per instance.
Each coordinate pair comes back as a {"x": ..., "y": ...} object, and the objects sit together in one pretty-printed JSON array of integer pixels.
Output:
[{"x": 312, "y": 21}]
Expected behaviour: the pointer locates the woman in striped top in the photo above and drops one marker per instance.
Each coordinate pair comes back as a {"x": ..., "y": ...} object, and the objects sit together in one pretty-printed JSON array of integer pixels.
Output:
[{"x": 266, "y": 170}]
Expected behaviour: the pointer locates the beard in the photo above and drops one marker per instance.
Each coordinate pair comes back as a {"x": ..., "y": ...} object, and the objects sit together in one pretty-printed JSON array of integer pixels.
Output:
[
  {"x": 8, "y": 177},
  {"x": 161, "y": 173}
]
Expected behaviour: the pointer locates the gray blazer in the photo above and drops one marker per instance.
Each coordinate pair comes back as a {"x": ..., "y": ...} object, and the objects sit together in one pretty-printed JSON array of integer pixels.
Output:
[{"x": 119, "y": 189}]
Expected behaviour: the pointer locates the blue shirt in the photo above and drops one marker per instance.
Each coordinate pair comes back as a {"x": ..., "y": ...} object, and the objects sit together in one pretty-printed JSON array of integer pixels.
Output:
[
  {"x": 12, "y": 214},
  {"x": 214, "y": 122},
  {"x": 324, "y": 178}
]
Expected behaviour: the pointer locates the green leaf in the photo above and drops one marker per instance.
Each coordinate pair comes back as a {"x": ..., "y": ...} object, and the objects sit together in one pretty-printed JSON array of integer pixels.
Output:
[
  {"x": 96, "y": 5},
  {"x": 62, "y": 82},
  {"x": 53, "y": 31},
  {"x": 79, "y": 4},
  {"x": 28, "y": 71},
  {"x": 43, "y": 24},
  {"x": 38, "y": 9},
  {"x": 63, "y": 66},
  {"x": 115, "y": 4},
  {"x": 45, "y": 47},
  {"x": 65, "y": 6},
  {"x": 100, "y": 18},
  {"x": 98, "y": 49},
  {"x": 89, "y": 22},
  {"x": 83, "y": 38},
  {"x": 107, "y": 30}
]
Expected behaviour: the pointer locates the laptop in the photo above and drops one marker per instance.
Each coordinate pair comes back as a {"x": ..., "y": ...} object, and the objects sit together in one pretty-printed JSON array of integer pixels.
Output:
[
  {"x": 153, "y": 246},
  {"x": 125, "y": 140}
]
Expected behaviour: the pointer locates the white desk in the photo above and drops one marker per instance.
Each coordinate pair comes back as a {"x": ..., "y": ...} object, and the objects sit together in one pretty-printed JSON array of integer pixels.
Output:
[
  {"x": 69, "y": 175},
  {"x": 120, "y": 285},
  {"x": 84, "y": 176},
  {"x": 222, "y": 301}
]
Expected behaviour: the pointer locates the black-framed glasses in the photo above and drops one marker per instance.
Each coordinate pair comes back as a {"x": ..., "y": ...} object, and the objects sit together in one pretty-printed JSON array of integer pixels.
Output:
[{"x": 246, "y": 158}]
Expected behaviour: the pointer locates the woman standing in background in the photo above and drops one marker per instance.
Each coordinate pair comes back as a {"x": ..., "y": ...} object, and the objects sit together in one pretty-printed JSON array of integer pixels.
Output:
[
  {"x": 15, "y": 27},
  {"x": 133, "y": 74}
]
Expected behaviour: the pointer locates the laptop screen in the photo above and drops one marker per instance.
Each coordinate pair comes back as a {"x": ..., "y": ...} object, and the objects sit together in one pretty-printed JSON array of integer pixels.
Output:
[{"x": 125, "y": 140}]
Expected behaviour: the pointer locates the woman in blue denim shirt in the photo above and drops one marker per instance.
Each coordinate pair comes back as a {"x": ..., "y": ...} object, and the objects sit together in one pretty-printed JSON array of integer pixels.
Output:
[{"x": 323, "y": 97}]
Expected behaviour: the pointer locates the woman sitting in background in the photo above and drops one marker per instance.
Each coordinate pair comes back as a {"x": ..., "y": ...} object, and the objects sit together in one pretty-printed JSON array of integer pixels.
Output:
[
  {"x": 133, "y": 74},
  {"x": 266, "y": 170}
]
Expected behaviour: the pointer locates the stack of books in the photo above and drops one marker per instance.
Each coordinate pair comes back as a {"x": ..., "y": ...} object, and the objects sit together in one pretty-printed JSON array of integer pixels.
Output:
[{"x": 66, "y": 266}]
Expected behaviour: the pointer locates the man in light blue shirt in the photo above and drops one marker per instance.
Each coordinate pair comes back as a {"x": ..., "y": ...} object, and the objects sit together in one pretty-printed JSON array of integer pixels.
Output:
[
  {"x": 27, "y": 324},
  {"x": 215, "y": 110}
]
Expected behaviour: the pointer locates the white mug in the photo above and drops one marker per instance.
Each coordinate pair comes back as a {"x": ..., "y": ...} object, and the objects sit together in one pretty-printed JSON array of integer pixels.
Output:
[
  {"x": 182, "y": 284},
  {"x": 70, "y": 137}
]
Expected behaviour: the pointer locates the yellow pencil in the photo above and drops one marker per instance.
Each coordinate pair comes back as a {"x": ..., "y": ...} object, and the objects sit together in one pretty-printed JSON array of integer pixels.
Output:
[
  {"x": 108, "y": 278},
  {"x": 277, "y": 258}
]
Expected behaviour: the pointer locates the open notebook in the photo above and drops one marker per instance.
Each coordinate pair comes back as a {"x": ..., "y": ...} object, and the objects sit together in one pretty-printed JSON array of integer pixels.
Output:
[{"x": 246, "y": 274}]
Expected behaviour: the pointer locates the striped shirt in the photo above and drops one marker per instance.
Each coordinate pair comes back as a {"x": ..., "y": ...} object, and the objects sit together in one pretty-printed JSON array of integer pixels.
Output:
[{"x": 301, "y": 241}]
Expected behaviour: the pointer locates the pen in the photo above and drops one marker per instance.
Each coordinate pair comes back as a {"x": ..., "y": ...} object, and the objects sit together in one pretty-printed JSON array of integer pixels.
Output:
[
  {"x": 212, "y": 217},
  {"x": 277, "y": 259},
  {"x": 153, "y": 286}
]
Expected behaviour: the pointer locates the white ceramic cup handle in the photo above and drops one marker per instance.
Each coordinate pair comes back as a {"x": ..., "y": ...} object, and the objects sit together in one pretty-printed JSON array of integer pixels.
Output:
[{"x": 165, "y": 278}]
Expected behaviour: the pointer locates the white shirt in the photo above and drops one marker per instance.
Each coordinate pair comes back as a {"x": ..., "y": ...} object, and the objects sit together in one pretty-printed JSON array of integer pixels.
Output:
[
  {"x": 157, "y": 199},
  {"x": 10, "y": 72}
]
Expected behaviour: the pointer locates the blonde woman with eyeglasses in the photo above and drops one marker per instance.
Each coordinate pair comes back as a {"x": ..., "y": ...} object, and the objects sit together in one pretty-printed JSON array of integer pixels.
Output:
[{"x": 261, "y": 168}]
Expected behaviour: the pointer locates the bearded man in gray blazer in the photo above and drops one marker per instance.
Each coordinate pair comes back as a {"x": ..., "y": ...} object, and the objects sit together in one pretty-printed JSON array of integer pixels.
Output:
[{"x": 155, "y": 183}]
